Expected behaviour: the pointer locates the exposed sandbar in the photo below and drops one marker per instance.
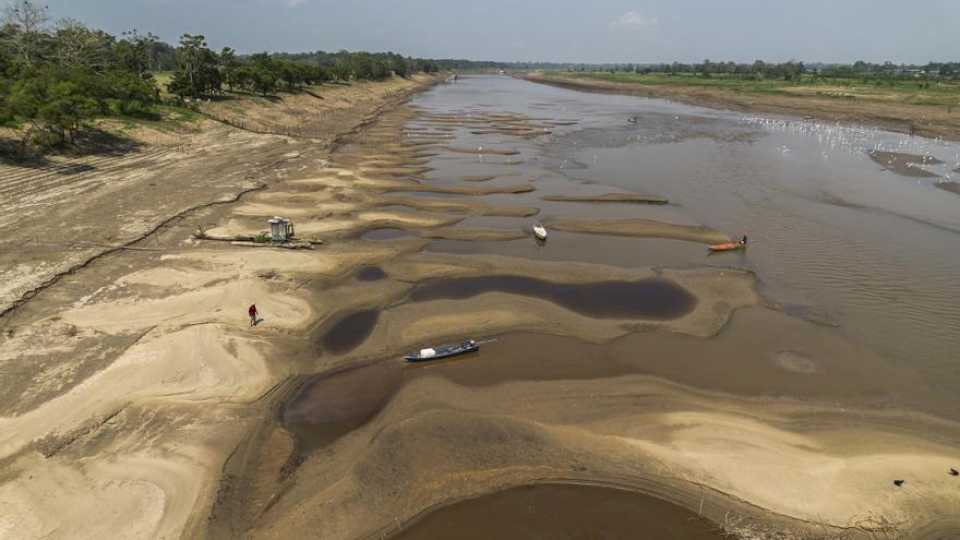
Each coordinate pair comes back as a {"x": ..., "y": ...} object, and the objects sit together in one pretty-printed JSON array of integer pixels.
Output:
[
  {"x": 480, "y": 235},
  {"x": 608, "y": 197},
  {"x": 640, "y": 228},
  {"x": 482, "y": 150},
  {"x": 952, "y": 187},
  {"x": 905, "y": 164}
]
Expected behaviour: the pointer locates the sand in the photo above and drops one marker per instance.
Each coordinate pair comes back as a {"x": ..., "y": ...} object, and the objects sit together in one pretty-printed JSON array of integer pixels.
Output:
[
  {"x": 926, "y": 120},
  {"x": 608, "y": 198},
  {"x": 139, "y": 403},
  {"x": 130, "y": 381},
  {"x": 526, "y": 432},
  {"x": 641, "y": 228}
]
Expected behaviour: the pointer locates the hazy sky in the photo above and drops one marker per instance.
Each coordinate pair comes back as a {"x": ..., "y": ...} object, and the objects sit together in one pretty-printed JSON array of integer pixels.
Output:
[{"x": 914, "y": 31}]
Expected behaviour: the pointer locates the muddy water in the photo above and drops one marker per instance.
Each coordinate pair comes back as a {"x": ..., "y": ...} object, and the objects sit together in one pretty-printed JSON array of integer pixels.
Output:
[
  {"x": 872, "y": 246},
  {"x": 337, "y": 403},
  {"x": 351, "y": 330},
  {"x": 562, "y": 512},
  {"x": 370, "y": 273}
]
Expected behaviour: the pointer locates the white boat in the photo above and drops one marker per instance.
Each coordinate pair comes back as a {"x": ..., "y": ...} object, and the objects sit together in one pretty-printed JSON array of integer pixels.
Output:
[{"x": 540, "y": 232}]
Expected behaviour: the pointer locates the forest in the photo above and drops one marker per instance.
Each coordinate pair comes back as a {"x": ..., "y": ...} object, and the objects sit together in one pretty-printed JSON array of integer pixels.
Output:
[{"x": 57, "y": 76}]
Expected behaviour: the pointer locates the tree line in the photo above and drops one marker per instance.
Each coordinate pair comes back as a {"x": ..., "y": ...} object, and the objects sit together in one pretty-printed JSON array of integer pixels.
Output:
[
  {"x": 787, "y": 71},
  {"x": 201, "y": 71},
  {"x": 57, "y": 76}
]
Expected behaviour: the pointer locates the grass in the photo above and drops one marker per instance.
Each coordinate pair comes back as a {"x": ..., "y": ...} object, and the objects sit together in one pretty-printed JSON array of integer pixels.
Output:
[
  {"x": 162, "y": 79},
  {"x": 915, "y": 92}
]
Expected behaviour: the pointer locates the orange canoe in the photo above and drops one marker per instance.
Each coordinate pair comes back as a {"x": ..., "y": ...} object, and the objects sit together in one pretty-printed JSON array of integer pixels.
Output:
[{"x": 729, "y": 246}]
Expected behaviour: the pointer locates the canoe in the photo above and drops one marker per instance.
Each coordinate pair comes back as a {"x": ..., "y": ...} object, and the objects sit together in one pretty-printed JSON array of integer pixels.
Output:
[
  {"x": 729, "y": 246},
  {"x": 443, "y": 351},
  {"x": 540, "y": 231}
]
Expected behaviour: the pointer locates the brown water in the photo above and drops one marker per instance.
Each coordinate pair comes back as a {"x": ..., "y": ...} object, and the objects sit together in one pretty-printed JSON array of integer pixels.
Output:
[
  {"x": 337, "y": 403},
  {"x": 350, "y": 331},
  {"x": 370, "y": 273},
  {"x": 562, "y": 512},
  {"x": 868, "y": 245},
  {"x": 840, "y": 234}
]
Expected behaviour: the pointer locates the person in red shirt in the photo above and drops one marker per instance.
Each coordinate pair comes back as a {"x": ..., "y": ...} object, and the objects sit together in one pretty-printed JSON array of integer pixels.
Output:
[{"x": 253, "y": 314}]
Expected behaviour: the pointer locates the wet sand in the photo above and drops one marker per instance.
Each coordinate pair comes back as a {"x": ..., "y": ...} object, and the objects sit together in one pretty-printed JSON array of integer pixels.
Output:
[
  {"x": 904, "y": 164},
  {"x": 640, "y": 228},
  {"x": 608, "y": 197},
  {"x": 459, "y": 429},
  {"x": 952, "y": 187},
  {"x": 926, "y": 120},
  {"x": 678, "y": 384},
  {"x": 650, "y": 299},
  {"x": 653, "y": 369}
]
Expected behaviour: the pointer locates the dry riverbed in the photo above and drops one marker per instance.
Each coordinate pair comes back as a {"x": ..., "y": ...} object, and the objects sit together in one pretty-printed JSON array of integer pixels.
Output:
[{"x": 139, "y": 403}]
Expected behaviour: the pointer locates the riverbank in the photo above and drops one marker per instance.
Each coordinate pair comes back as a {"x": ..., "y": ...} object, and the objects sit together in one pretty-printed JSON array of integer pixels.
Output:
[
  {"x": 129, "y": 371},
  {"x": 699, "y": 403},
  {"x": 837, "y": 106},
  {"x": 140, "y": 403}
]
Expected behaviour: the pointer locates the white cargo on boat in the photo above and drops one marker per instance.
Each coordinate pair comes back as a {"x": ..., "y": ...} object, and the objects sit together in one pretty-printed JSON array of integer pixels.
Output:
[{"x": 428, "y": 353}]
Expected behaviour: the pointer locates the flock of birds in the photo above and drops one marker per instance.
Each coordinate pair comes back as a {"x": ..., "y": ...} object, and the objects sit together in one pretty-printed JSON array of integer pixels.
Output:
[{"x": 857, "y": 139}]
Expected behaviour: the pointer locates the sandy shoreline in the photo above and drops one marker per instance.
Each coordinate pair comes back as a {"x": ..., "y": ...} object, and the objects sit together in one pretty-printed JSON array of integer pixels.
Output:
[
  {"x": 141, "y": 404},
  {"x": 928, "y": 121}
]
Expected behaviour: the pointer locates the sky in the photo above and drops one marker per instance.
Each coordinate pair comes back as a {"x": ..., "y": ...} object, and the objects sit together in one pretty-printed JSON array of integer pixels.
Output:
[{"x": 589, "y": 31}]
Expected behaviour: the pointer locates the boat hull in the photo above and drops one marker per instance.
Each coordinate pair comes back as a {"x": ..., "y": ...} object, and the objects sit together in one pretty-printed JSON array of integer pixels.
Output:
[
  {"x": 729, "y": 246},
  {"x": 445, "y": 351}
]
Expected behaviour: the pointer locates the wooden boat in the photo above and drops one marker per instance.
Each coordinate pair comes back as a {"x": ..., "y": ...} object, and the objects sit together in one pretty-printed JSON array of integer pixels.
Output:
[
  {"x": 729, "y": 246},
  {"x": 540, "y": 232},
  {"x": 443, "y": 351}
]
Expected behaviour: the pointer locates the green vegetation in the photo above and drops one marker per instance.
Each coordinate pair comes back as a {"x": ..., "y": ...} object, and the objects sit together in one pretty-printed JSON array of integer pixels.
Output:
[
  {"x": 54, "y": 79},
  {"x": 57, "y": 77},
  {"x": 939, "y": 85}
]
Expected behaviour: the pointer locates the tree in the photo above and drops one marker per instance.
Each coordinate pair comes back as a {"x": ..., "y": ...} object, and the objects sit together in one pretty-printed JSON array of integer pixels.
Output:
[
  {"x": 400, "y": 67},
  {"x": 134, "y": 52},
  {"x": 229, "y": 68},
  {"x": 55, "y": 107},
  {"x": 27, "y": 21},
  {"x": 197, "y": 72}
]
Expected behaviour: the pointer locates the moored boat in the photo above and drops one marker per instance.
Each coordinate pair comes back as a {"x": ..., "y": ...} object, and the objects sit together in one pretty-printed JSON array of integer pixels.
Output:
[
  {"x": 729, "y": 246},
  {"x": 443, "y": 351}
]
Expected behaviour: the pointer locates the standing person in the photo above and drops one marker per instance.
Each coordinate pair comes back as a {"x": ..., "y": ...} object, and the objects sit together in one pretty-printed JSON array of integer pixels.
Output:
[
  {"x": 743, "y": 241},
  {"x": 252, "y": 311}
]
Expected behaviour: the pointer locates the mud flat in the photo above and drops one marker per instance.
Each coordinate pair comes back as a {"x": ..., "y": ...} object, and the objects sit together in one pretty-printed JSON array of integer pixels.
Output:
[
  {"x": 905, "y": 164},
  {"x": 608, "y": 198},
  {"x": 652, "y": 437},
  {"x": 952, "y": 187},
  {"x": 460, "y": 206},
  {"x": 476, "y": 191},
  {"x": 673, "y": 384},
  {"x": 641, "y": 228},
  {"x": 646, "y": 299},
  {"x": 927, "y": 120},
  {"x": 482, "y": 150},
  {"x": 473, "y": 234}
]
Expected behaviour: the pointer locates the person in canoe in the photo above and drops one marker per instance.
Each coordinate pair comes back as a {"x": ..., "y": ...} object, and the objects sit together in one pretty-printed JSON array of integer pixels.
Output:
[{"x": 730, "y": 246}]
